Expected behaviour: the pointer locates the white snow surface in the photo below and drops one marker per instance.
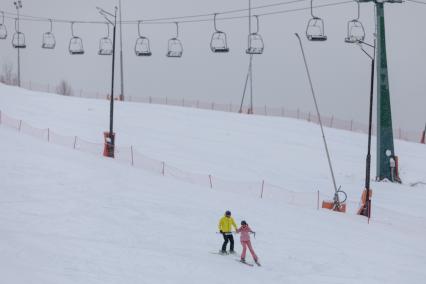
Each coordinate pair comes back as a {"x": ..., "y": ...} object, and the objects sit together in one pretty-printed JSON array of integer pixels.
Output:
[{"x": 72, "y": 217}]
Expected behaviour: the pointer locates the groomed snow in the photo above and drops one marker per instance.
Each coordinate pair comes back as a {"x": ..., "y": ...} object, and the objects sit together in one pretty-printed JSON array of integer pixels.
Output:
[{"x": 71, "y": 217}]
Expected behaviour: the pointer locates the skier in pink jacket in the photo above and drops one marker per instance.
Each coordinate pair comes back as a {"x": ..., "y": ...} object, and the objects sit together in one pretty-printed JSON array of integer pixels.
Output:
[{"x": 245, "y": 241}]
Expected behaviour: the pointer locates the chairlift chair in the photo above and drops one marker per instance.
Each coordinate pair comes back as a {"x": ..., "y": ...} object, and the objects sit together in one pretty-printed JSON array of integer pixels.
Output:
[
  {"x": 18, "y": 40},
  {"x": 219, "y": 41},
  {"x": 105, "y": 44},
  {"x": 315, "y": 28},
  {"x": 175, "y": 48},
  {"x": 76, "y": 43},
  {"x": 3, "y": 30},
  {"x": 255, "y": 43},
  {"x": 356, "y": 31},
  {"x": 142, "y": 47},
  {"x": 49, "y": 41}
]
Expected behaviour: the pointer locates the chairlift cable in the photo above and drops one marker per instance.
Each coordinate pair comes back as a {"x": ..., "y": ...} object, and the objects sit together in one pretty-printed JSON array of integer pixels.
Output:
[
  {"x": 173, "y": 18},
  {"x": 417, "y": 1},
  {"x": 41, "y": 19}
]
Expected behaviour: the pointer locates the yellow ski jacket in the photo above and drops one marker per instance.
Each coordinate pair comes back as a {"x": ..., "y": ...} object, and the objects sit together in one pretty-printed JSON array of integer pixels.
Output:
[{"x": 226, "y": 224}]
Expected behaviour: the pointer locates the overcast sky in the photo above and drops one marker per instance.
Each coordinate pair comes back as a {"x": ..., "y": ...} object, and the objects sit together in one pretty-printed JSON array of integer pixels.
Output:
[{"x": 340, "y": 71}]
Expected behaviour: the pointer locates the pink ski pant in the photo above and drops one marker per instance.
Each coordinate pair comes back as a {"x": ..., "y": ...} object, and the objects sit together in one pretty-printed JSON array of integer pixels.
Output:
[{"x": 246, "y": 244}]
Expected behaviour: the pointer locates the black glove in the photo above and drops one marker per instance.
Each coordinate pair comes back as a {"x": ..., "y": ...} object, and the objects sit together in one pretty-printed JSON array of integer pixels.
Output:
[{"x": 221, "y": 231}]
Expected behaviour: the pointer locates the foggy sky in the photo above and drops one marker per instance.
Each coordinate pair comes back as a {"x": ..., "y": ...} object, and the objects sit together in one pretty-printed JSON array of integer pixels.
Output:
[{"x": 340, "y": 72}]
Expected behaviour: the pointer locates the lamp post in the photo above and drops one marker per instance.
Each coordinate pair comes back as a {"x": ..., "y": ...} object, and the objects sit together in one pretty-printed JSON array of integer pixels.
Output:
[
  {"x": 365, "y": 209},
  {"x": 110, "y": 136},
  {"x": 18, "y": 6},
  {"x": 121, "y": 57}
]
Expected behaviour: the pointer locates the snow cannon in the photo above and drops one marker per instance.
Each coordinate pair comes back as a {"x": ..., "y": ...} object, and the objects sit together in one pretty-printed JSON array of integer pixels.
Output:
[
  {"x": 365, "y": 208},
  {"x": 338, "y": 203},
  {"x": 109, "y": 139}
]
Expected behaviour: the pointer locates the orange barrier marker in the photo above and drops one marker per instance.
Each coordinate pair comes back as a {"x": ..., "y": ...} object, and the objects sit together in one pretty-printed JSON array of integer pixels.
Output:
[
  {"x": 109, "y": 144},
  {"x": 329, "y": 204},
  {"x": 361, "y": 210}
]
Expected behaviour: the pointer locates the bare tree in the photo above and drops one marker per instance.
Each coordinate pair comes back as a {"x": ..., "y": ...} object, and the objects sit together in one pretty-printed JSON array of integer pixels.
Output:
[
  {"x": 7, "y": 76},
  {"x": 64, "y": 88}
]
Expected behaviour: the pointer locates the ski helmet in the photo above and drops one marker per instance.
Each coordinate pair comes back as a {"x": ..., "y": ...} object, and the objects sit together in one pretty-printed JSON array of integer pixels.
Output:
[
  {"x": 228, "y": 213},
  {"x": 243, "y": 223}
]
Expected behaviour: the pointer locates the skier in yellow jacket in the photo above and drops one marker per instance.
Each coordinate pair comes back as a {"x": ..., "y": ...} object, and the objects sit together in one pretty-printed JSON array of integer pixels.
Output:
[{"x": 225, "y": 226}]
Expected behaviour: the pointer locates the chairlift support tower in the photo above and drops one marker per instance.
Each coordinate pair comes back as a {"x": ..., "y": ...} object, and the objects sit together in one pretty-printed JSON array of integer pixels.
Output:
[
  {"x": 18, "y": 6},
  {"x": 384, "y": 115}
]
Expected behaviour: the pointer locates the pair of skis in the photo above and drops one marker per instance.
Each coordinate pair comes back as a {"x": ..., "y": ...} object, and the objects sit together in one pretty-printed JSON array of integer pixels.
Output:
[
  {"x": 247, "y": 263},
  {"x": 239, "y": 260}
]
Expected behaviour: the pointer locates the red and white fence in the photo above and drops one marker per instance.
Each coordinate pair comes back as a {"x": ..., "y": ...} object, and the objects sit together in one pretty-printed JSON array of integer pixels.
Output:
[
  {"x": 329, "y": 121},
  {"x": 129, "y": 155}
]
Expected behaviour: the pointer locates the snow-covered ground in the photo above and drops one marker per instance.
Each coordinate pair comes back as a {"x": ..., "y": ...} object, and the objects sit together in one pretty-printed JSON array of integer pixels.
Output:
[{"x": 70, "y": 217}]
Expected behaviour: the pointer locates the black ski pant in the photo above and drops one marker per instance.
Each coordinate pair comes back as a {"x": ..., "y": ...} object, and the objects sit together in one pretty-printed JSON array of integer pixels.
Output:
[{"x": 228, "y": 238}]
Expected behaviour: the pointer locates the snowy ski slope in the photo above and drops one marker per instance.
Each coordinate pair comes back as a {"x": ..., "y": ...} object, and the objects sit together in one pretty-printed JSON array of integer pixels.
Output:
[{"x": 70, "y": 217}]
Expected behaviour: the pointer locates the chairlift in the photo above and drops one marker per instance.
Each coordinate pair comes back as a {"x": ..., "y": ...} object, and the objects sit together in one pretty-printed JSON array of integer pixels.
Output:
[
  {"x": 105, "y": 44},
  {"x": 315, "y": 28},
  {"x": 3, "y": 30},
  {"x": 175, "y": 48},
  {"x": 356, "y": 31},
  {"x": 219, "y": 42},
  {"x": 18, "y": 40},
  {"x": 76, "y": 43},
  {"x": 255, "y": 43},
  {"x": 142, "y": 47},
  {"x": 49, "y": 41}
]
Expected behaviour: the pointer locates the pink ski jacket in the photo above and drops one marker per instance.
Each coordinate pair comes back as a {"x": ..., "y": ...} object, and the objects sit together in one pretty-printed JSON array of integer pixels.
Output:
[{"x": 245, "y": 233}]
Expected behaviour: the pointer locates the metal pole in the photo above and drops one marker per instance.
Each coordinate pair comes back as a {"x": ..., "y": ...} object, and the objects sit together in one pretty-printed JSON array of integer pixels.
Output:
[
  {"x": 244, "y": 92},
  {"x": 19, "y": 49},
  {"x": 366, "y": 211},
  {"x": 249, "y": 17},
  {"x": 319, "y": 119},
  {"x": 250, "y": 65},
  {"x": 121, "y": 56},
  {"x": 251, "y": 84},
  {"x": 111, "y": 114}
]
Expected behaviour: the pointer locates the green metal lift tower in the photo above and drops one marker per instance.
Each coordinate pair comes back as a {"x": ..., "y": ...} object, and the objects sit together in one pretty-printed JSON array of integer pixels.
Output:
[{"x": 385, "y": 146}]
